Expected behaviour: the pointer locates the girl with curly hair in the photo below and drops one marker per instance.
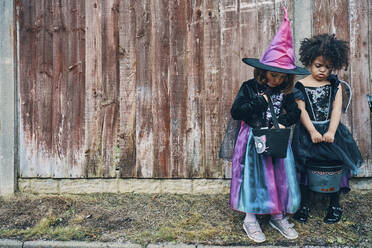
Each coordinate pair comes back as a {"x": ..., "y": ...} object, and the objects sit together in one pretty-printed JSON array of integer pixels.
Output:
[{"x": 320, "y": 138}]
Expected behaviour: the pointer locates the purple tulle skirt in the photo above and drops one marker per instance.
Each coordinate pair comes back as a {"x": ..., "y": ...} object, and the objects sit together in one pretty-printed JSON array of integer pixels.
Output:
[{"x": 262, "y": 184}]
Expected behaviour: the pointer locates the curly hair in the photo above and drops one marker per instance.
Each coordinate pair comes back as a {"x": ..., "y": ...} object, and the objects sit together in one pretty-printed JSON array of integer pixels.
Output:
[
  {"x": 260, "y": 76},
  {"x": 334, "y": 51}
]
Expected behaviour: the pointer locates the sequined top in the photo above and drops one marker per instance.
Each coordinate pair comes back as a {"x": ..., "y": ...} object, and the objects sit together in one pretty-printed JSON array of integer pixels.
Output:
[
  {"x": 277, "y": 100},
  {"x": 320, "y": 99}
]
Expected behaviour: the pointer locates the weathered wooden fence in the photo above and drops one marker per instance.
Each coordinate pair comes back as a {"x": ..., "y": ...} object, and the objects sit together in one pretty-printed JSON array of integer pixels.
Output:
[{"x": 144, "y": 87}]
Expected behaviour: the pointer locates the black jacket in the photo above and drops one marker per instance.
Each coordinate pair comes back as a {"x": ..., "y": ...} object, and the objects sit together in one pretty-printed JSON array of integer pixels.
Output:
[{"x": 250, "y": 106}]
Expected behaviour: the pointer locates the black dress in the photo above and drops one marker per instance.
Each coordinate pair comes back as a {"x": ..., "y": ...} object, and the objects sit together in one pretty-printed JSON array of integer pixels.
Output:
[{"x": 318, "y": 101}]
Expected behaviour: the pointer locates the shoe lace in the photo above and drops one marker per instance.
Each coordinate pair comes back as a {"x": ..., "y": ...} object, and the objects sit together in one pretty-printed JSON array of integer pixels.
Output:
[
  {"x": 284, "y": 222},
  {"x": 253, "y": 227}
]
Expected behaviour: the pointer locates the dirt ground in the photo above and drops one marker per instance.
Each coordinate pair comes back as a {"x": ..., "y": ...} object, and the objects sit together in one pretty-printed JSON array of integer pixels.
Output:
[{"x": 144, "y": 218}]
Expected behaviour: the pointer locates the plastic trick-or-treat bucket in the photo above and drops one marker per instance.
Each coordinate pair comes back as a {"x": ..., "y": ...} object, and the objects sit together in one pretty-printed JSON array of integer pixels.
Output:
[{"x": 324, "y": 179}]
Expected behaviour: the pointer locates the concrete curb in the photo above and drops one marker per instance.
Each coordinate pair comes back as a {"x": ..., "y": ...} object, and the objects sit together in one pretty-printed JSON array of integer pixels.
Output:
[
  {"x": 63, "y": 244},
  {"x": 8, "y": 243}
]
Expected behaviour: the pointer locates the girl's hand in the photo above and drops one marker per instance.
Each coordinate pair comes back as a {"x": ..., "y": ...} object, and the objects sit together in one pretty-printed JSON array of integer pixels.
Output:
[
  {"x": 281, "y": 126},
  {"x": 265, "y": 96},
  {"x": 329, "y": 137},
  {"x": 316, "y": 137}
]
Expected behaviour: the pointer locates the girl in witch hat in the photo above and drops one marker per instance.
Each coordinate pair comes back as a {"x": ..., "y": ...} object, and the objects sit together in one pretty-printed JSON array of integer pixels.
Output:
[
  {"x": 320, "y": 138},
  {"x": 262, "y": 184}
]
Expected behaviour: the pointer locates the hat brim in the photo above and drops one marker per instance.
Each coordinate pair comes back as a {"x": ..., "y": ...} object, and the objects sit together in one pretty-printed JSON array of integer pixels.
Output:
[{"x": 257, "y": 64}]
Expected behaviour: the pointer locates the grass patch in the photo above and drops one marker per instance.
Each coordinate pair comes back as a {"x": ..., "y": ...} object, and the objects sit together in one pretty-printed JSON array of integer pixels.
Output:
[
  {"x": 48, "y": 227},
  {"x": 192, "y": 229},
  {"x": 150, "y": 218},
  {"x": 57, "y": 233}
]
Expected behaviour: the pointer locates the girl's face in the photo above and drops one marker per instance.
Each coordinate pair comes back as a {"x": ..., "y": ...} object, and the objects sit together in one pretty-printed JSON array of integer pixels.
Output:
[
  {"x": 320, "y": 68},
  {"x": 275, "y": 79}
]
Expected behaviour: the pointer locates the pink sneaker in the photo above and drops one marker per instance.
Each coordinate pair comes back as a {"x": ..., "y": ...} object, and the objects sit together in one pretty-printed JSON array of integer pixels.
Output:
[
  {"x": 284, "y": 227},
  {"x": 254, "y": 231}
]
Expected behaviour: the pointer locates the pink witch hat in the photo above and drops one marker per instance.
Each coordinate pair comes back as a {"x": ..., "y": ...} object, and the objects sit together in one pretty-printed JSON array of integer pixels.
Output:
[{"x": 279, "y": 57}]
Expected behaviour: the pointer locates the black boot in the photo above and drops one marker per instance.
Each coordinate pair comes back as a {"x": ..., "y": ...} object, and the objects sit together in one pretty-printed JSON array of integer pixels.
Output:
[
  {"x": 334, "y": 212},
  {"x": 303, "y": 212}
]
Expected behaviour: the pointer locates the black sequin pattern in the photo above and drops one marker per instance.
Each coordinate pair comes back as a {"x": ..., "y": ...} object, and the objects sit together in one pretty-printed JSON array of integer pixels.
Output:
[
  {"x": 320, "y": 98},
  {"x": 277, "y": 100}
]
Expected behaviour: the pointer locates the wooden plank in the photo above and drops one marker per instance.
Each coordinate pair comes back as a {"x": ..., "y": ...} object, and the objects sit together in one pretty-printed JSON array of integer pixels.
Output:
[
  {"x": 340, "y": 27},
  {"x": 194, "y": 156},
  {"x": 160, "y": 86},
  {"x": 370, "y": 42},
  {"x": 279, "y": 12},
  {"x": 68, "y": 88},
  {"x": 330, "y": 18},
  {"x": 266, "y": 24},
  {"x": 369, "y": 161},
  {"x": 72, "y": 109},
  {"x": 248, "y": 45},
  {"x": 359, "y": 39},
  {"x": 110, "y": 70},
  {"x": 43, "y": 89},
  {"x": 54, "y": 152},
  {"x": 36, "y": 89},
  {"x": 59, "y": 101},
  {"x": 230, "y": 67},
  {"x": 248, "y": 21},
  {"x": 321, "y": 17},
  {"x": 27, "y": 78},
  {"x": 101, "y": 101},
  {"x": 144, "y": 116},
  {"x": 178, "y": 88},
  {"x": 77, "y": 68},
  {"x": 212, "y": 86},
  {"x": 42, "y": 112},
  {"x": 338, "y": 12},
  {"x": 94, "y": 90},
  {"x": 127, "y": 102}
]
